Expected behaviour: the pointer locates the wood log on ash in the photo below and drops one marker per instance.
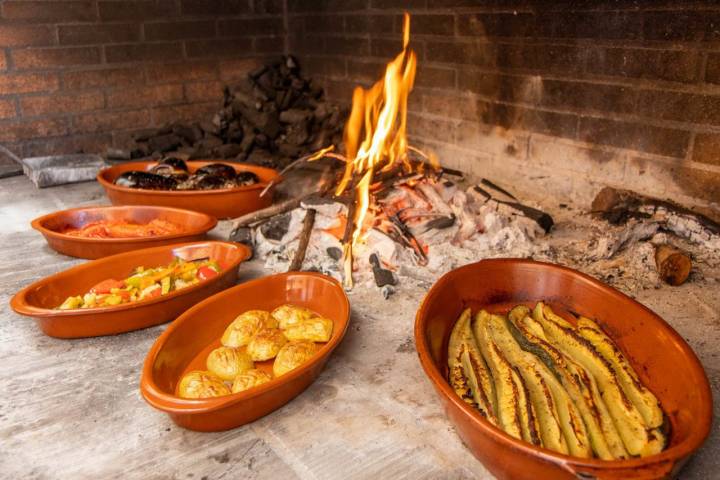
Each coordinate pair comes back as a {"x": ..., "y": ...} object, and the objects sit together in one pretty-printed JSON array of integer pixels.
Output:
[
  {"x": 308, "y": 222},
  {"x": 673, "y": 265}
]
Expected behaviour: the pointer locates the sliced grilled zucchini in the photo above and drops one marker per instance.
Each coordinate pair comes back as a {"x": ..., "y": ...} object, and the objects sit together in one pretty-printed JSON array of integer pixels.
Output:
[
  {"x": 646, "y": 403},
  {"x": 469, "y": 375},
  {"x": 539, "y": 390},
  {"x": 637, "y": 439},
  {"x": 514, "y": 411}
]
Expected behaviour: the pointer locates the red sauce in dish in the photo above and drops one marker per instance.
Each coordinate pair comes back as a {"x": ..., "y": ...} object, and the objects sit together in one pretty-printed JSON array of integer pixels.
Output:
[{"x": 123, "y": 229}]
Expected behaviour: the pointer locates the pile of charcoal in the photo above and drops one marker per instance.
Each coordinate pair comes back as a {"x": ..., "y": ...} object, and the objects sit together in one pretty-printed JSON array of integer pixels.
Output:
[{"x": 270, "y": 119}]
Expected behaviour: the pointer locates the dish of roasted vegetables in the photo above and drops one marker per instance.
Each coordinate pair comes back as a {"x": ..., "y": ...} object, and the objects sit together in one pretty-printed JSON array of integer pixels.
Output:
[
  {"x": 255, "y": 348},
  {"x": 563, "y": 386},
  {"x": 123, "y": 229},
  {"x": 144, "y": 284}
]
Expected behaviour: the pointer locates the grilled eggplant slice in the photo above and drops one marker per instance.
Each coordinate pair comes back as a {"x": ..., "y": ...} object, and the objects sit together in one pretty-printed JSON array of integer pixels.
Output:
[
  {"x": 638, "y": 440},
  {"x": 646, "y": 403},
  {"x": 604, "y": 438},
  {"x": 539, "y": 391},
  {"x": 469, "y": 375},
  {"x": 514, "y": 411}
]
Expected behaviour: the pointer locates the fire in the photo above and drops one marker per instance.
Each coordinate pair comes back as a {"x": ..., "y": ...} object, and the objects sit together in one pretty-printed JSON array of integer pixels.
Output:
[{"x": 375, "y": 139}]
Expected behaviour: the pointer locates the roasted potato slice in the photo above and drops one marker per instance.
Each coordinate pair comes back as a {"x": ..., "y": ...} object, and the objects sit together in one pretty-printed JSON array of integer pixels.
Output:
[
  {"x": 266, "y": 344},
  {"x": 249, "y": 379},
  {"x": 201, "y": 384},
  {"x": 227, "y": 363},
  {"x": 245, "y": 325},
  {"x": 288, "y": 315},
  {"x": 292, "y": 355},
  {"x": 646, "y": 403},
  {"x": 604, "y": 438},
  {"x": 514, "y": 411},
  {"x": 469, "y": 374},
  {"x": 638, "y": 440},
  {"x": 314, "y": 329},
  {"x": 540, "y": 392}
]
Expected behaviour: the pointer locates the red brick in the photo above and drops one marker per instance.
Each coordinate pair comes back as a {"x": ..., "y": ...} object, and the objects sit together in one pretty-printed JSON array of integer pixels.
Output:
[
  {"x": 137, "y": 10},
  {"x": 49, "y": 11},
  {"x": 238, "y": 68},
  {"x": 93, "y": 143},
  {"x": 547, "y": 58},
  {"x": 106, "y": 33},
  {"x": 25, "y": 35},
  {"x": 180, "y": 30},
  {"x": 29, "y": 129},
  {"x": 671, "y": 65},
  {"x": 328, "y": 5},
  {"x": 38, "y": 105},
  {"x": 434, "y": 77},
  {"x": 145, "y": 96},
  {"x": 268, "y": 44},
  {"x": 178, "y": 72},
  {"x": 635, "y": 136},
  {"x": 183, "y": 113},
  {"x": 55, "y": 57},
  {"x": 215, "y": 7},
  {"x": 109, "y": 121},
  {"x": 26, "y": 83},
  {"x": 428, "y": 24},
  {"x": 377, "y": 24},
  {"x": 707, "y": 148},
  {"x": 325, "y": 66},
  {"x": 250, "y": 26},
  {"x": 107, "y": 77},
  {"x": 219, "y": 47},
  {"x": 476, "y": 54},
  {"x": 3, "y": 60},
  {"x": 7, "y": 108},
  {"x": 348, "y": 46},
  {"x": 143, "y": 52},
  {"x": 203, "y": 92}
]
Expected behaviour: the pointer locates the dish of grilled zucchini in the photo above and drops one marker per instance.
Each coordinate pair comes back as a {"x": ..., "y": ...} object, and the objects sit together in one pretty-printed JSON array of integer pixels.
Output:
[{"x": 563, "y": 386}]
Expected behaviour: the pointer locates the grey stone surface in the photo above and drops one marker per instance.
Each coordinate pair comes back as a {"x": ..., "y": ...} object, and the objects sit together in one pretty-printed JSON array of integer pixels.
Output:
[{"x": 72, "y": 408}]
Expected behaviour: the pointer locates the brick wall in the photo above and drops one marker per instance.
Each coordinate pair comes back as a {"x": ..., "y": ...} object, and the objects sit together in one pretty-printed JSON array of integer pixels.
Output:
[
  {"x": 580, "y": 94},
  {"x": 82, "y": 75}
]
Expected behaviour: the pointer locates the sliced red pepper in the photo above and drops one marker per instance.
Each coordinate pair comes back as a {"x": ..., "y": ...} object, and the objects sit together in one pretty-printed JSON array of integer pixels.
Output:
[
  {"x": 106, "y": 285},
  {"x": 206, "y": 272},
  {"x": 153, "y": 293}
]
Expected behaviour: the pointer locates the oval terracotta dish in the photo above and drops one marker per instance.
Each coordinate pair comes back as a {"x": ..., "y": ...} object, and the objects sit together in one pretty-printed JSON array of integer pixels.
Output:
[
  {"x": 664, "y": 362},
  {"x": 39, "y": 299},
  {"x": 184, "y": 342},
  {"x": 194, "y": 226},
  {"x": 220, "y": 203}
]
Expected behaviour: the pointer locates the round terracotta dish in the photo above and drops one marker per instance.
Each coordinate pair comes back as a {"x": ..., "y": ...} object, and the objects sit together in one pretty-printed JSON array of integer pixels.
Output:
[
  {"x": 189, "y": 336},
  {"x": 39, "y": 299},
  {"x": 652, "y": 346},
  {"x": 194, "y": 227},
  {"x": 220, "y": 203}
]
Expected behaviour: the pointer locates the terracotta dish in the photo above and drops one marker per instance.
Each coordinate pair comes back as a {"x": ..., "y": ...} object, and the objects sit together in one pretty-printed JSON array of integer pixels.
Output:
[
  {"x": 651, "y": 345},
  {"x": 39, "y": 299},
  {"x": 194, "y": 224},
  {"x": 220, "y": 203},
  {"x": 185, "y": 344}
]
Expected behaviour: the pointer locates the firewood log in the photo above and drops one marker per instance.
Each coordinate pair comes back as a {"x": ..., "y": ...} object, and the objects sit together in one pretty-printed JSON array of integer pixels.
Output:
[{"x": 673, "y": 265}]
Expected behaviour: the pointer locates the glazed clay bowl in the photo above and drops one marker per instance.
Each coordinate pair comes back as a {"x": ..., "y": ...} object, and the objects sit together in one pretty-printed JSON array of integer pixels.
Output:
[
  {"x": 39, "y": 299},
  {"x": 194, "y": 226},
  {"x": 662, "y": 359},
  {"x": 220, "y": 203},
  {"x": 184, "y": 346}
]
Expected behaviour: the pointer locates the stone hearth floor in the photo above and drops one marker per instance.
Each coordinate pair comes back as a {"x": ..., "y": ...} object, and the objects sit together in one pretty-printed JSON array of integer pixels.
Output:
[{"x": 72, "y": 408}]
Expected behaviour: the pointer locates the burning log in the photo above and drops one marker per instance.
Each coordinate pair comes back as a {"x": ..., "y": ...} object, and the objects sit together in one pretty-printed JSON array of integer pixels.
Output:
[
  {"x": 673, "y": 265},
  {"x": 308, "y": 222}
]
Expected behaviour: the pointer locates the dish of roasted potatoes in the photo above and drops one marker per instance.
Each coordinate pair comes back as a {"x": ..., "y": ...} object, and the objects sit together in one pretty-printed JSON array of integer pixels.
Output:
[
  {"x": 563, "y": 386},
  {"x": 256, "y": 347}
]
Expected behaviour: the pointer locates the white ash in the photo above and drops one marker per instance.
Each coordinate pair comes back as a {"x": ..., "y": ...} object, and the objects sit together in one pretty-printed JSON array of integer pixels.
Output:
[{"x": 481, "y": 229}]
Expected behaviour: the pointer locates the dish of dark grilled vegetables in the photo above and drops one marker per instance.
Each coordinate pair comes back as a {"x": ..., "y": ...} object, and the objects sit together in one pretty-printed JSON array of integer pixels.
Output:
[
  {"x": 563, "y": 386},
  {"x": 173, "y": 174}
]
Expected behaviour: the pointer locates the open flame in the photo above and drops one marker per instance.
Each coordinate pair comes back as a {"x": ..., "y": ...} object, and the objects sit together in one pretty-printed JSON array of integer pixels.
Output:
[{"x": 379, "y": 118}]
